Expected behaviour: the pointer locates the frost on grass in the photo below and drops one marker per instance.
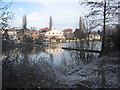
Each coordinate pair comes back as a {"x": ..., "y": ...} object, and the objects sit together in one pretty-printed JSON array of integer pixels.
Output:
[
  {"x": 22, "y": 72},
  {"x": 99, "y": 73},
  {"x": 31, "y": 71}
]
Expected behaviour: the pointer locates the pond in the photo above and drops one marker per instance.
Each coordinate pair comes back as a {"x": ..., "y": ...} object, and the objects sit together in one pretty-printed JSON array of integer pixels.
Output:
[{"x": 41, "y": 65}]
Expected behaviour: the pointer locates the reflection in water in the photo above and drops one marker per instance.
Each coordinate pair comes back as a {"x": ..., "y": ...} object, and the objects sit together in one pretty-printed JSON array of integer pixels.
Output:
[
  {"x": 21, "y": 71},
  {"x": 36, "y": 66},
  {"x": 54, "y": 49}
]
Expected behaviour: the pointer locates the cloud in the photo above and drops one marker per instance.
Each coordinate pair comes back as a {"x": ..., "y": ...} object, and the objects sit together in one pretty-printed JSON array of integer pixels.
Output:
[
  {"x": 34, "y": 19},
  {"x": 45, "y": 1},
  {"x": 16, "y": 22},
  {"x": 64, "y": 15},
  {"x": 60, "y": 17},
  {"x": 33, "y": 16},
  {"x": 42, "y": 1},
  {"x": 21, "y": 9}
]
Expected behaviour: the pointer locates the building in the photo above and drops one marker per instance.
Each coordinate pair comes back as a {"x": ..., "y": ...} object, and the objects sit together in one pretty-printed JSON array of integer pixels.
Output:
[
  {"x": 67, "y": 30},
  {"x": 54, "y": 36},
  {"x": 54, "y": 49},
  {"x": 44, "y": 29},
  {"x": 20, "y": 33},
  {"x": 94, "y": 36},
  {"x": 54, "y": 33},
  {"x": 68, "y": 34},
  {"x": 12, "y": 33},
  {"x": 32, "y": 33}
]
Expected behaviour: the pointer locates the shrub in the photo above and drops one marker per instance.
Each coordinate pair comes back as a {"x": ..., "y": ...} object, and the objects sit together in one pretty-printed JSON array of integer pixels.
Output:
[
  {"x": 112, "y": 38},
  {"x": 27, "y": 39},
  {"x": 39, "y": 40}
]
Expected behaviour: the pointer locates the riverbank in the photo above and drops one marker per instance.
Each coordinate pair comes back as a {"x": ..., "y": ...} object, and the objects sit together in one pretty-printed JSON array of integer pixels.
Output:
[
  {"x": 10, "y": 45},
  {"x": 33, "y": 68},
  {"x": 99, "y": 73}
]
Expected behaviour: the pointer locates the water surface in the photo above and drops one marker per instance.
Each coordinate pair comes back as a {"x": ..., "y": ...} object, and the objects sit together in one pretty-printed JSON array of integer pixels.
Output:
[{"x": 39, "y": 66}]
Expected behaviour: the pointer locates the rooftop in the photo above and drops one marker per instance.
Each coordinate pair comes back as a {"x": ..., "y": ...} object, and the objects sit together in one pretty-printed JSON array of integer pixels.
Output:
[{"x": 32, "y": 31}]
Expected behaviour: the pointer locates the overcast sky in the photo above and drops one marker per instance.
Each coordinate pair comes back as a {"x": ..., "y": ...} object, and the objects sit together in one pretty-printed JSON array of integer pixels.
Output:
[{"x": 65, "y": 13}]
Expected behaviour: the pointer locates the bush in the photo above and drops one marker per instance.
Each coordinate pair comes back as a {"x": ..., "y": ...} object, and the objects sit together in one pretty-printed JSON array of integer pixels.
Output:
[
  {"x": 112, "y": 38},
  {"x": 8, "y": 45},
  {"x": 27, "y": 39},
  {"x": 39, "y": 40},
  {"x": 116, "y": 38}
]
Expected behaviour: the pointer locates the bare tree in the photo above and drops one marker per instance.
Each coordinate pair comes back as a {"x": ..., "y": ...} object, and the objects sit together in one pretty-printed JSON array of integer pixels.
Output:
[
  {"x": 101, "y": 14},
  {"x": 5, "y": 17}
]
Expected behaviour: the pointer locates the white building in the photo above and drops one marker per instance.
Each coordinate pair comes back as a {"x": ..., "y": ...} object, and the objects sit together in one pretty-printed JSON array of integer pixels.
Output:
[
  {"x": 54, "y": 33},
  {"x": 54, "y": 49},
  {"x": 12, "y": 34},
  {"x": 94, "y": 37}
]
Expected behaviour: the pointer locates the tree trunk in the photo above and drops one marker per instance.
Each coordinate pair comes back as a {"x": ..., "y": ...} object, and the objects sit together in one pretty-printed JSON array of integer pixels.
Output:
[
  {"x": 103, "y": 39},
  {"x": 0, "y": 42},
  {"x": 103, "y": 83}
]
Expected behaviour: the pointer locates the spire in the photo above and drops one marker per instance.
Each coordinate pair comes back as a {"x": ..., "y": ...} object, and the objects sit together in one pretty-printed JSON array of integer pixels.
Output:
[
  {"x": 24, "y": 23},
  {"x": 80, "y": 23},
  {"x": 50, "y": 23}
]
